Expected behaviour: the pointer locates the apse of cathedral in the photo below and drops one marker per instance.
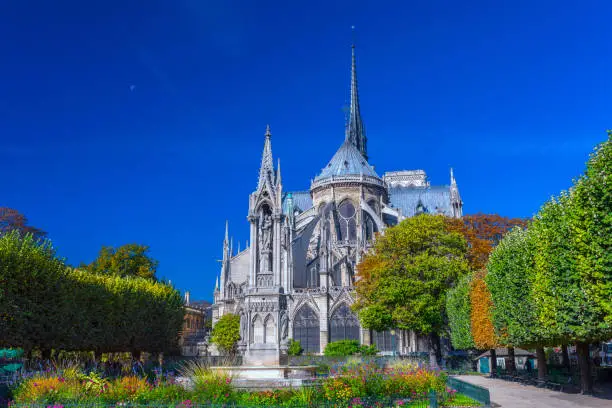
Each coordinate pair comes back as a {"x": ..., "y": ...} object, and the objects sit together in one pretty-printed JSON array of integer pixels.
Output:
[{"x": 295, "y": 280}]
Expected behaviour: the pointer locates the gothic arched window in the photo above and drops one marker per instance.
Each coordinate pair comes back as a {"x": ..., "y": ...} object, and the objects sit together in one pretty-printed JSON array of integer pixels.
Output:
[
  {"x": 270, "y": 331},
  {"x": 369, "y": 226},
  {"x": 348, "y": 224},
  {"x": 344, "y": 324},
  {"x": 258, "y": 331},
  {"x": 306, "y": 329}
]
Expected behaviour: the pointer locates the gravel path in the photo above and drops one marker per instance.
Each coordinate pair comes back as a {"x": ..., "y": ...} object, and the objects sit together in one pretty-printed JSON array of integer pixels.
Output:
[{"x": 507, "y": 394}]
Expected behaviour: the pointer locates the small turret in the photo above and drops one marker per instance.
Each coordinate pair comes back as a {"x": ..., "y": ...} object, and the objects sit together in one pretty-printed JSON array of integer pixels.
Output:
[{"x": 455, "y": 197}]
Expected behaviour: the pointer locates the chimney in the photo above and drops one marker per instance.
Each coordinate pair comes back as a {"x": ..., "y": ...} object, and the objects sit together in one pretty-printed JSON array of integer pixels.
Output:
[{"x": 187, "y": 298}]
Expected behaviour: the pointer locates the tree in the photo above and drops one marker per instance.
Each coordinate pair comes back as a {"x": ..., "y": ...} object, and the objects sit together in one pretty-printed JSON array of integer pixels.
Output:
[
  {"x": 482, "y": 233},
  {"x": 127, "y": 260},
  {"x": 510, "y": 281},
  {"x": 226, "y": 333},
  {"x": 551, "y": 284},
  {"x": 459, "y": 313},
  {"x": 591, "y": 225},
  {"x": 11, "y": 219},
  {"x": 403, "y": 282}
]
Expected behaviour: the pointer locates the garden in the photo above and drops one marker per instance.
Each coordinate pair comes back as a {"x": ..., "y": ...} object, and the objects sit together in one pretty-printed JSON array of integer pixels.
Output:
[{"x": 355, "y": 383}]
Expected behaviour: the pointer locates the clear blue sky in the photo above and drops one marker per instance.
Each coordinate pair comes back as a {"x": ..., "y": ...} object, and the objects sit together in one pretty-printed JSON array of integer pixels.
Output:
[{"x": 121, "y": 122}]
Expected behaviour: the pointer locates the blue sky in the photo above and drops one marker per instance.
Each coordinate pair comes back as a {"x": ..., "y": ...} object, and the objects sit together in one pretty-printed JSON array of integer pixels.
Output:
[{"x": 122, "y": 123}]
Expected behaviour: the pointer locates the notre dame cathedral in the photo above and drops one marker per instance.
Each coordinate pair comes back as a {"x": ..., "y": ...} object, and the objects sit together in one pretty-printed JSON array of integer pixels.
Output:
[{"x": 295, "y": 279}]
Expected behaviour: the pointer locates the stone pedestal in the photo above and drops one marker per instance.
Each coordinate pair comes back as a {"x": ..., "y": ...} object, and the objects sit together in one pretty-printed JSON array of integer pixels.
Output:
[{"x": 264, "y": 355}]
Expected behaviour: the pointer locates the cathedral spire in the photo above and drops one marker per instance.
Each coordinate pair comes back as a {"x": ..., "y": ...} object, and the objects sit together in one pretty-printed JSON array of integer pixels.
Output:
[
  {"x": 279, "y": 179},
  {"x": 226, "y": 244},
  {"x": 355, "y": 132},
  {"x": 267, "y": 165}
]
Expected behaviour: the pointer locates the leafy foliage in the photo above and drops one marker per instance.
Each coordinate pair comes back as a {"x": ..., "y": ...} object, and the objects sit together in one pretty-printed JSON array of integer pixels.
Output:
[
  {"x": 481, "y": 304},
  {"x": 459, "y": 309},
  {"x": 483, "y": 232},
  {"x": 358, "y": 385},
  {"x": 591, "y": 226},
  {"x": 13, "y": 220},
  {"x": 342, "y": 348},
  {"x": 226, "y": 333},
  {"x": 552, "y": 284},
  {"x": 295, "y": 348},
  {"x": 509, "y": 279},
  {"x": 403, "y": 281},
  {"x": 68, "y": 309},
  {"x": 127, "y": 260}
]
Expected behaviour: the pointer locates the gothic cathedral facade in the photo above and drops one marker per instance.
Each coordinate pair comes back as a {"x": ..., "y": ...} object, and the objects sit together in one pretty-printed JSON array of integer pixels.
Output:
[{"x": 295, "y": 280}]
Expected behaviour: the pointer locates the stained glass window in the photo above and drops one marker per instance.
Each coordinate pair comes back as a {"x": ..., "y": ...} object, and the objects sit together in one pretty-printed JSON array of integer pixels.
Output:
[
  {"x": 306, "y": 329},
  {"x": 348, "y": 225},
  {"x": 344, "y": 324}
]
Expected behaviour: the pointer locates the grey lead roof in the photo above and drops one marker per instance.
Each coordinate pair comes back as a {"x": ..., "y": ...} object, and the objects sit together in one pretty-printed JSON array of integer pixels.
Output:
[
  {"x": 301, "y": 200},
  {"x": 435, "y": 199},
  {"x": 347, "y": 160}
]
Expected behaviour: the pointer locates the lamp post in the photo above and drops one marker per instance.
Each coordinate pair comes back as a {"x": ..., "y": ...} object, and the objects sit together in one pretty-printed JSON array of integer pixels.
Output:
[{"x": 393, "y": 342}]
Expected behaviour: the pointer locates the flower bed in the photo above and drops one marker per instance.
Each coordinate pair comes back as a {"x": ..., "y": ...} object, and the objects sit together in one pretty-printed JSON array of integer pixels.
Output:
[{"x": 364, "y": 385}]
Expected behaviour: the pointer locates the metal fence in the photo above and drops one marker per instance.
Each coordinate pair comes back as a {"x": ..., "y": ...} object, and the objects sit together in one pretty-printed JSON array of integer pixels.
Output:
[{"x": 474, "y": 392}]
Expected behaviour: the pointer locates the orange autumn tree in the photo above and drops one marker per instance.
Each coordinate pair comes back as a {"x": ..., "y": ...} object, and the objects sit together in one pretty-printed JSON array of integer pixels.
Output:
[
  {"x": 480, "y": 316},
  {"x": 482, "y": 233}
]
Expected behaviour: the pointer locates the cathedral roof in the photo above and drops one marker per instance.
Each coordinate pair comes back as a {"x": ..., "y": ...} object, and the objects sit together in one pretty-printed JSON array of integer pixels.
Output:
[
  {"x": 433, "y": 200},
  {"x": 301, "y": 200},
  {"x": 348, "y": 160}
]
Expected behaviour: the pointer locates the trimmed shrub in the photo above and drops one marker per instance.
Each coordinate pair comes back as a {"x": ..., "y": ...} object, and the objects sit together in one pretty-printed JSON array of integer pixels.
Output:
[
  {"x": 295, "y": 348},
  {"x": 342, "y": 348}
]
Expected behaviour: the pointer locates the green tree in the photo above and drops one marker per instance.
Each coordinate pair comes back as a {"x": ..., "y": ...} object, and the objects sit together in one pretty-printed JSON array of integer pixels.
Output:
[
  {"x": 510, "y": 281},
  {"x": 403, "y": 282},
  {"x": 591, "y": 226},
  {"x": 458, "y": 309},
  {"x": 226, "y": 333},
  {"x": 127, "y": 260}
]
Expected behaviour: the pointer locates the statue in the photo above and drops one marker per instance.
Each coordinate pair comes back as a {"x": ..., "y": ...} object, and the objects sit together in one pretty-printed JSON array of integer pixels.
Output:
[
  {"x": 243, "y": 328},
  {"x": 284, "y": 327},
  {"x": 266, "y": 232},
  {"x": 265, "y": 243}
]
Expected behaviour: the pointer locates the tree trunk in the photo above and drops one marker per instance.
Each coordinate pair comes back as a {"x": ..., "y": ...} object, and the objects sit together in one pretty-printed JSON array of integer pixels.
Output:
[
  {"x": 46, "y": 354},
  {"x": 511, "y": 362},
  {"x": 584, "y": 363},
  {"x": 136, "y": 355},
  {"x": 566, "y": 360},
  {"x": 493, "y": 363},
  {"x": 541, "y": 363},
  {"x": 434, "y": 351}
]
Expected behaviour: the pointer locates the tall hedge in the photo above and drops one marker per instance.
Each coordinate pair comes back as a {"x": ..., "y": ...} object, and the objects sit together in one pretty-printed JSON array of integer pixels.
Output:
[{"x": 44, "y": 304}]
